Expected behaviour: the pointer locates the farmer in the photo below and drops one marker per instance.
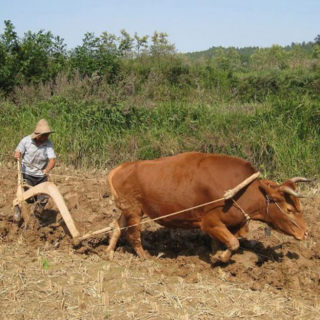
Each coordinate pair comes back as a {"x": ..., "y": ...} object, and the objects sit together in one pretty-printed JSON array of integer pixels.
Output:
[{"x": 38, "y": 159}]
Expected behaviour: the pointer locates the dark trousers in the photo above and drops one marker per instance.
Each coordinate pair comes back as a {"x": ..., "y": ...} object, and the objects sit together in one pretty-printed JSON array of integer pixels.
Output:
[{"x": 34, "y": 181}]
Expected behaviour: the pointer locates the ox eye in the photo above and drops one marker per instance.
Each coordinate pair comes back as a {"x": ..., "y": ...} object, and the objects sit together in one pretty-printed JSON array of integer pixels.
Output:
[{"x": 290, "y": 210}]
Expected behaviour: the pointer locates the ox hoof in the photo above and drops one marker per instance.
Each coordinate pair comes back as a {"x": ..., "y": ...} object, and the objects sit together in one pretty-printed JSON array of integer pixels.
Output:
[
  {"x": 220, "y": 257},
  {"x": 110, "y": 254},
  {"x": 142, "y": 254},
  {"x": 214, "y": 259},
  {"x": 144, "y": 258},
  {"x": 225, "y": 256}
]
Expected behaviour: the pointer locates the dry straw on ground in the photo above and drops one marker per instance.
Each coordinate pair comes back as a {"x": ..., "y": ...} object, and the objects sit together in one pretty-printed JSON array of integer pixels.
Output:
[{"x": 42, "y": 276}]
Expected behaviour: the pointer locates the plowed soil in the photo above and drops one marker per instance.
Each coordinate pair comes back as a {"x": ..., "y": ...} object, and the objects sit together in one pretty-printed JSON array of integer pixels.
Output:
[{"x": 43, "y": 275}]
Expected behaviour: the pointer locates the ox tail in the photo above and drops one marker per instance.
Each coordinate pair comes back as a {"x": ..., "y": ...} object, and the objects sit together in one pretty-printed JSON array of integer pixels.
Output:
[{"x": 110, "y": 178}]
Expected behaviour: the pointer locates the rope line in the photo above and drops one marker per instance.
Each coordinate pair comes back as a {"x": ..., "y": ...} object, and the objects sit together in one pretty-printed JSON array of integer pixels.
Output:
[
  {"x": 107, "y": 231},
  {"x": 57, "y": 175},
  {"x": 75, "y": 177},
  {"x": 61, "y": 175},
  {"x": 174, "y": 213}
]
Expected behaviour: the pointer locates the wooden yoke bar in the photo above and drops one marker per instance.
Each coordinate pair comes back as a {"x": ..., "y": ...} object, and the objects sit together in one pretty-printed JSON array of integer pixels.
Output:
[{"x": 232, "y": 192}]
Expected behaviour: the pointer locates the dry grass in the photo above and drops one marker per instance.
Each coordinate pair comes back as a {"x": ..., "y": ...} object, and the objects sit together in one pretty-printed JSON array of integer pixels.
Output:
[{"x": 70, "y": 286}]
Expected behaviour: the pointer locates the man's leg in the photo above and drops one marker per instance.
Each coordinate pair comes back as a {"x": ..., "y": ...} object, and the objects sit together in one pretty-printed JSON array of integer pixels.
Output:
[
  {"x": 30, "y": 182},
  {"x": 41, "y": 199}
]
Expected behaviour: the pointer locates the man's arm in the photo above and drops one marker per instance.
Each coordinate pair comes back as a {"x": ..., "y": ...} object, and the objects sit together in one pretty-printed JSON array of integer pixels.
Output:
[
  {"x": 21, "y": 148},
  {"x": 50, "y": 166}
]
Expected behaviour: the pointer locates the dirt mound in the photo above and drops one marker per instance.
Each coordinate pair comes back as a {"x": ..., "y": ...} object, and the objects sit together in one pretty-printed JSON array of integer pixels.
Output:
[{"x": 43, "y": 275}]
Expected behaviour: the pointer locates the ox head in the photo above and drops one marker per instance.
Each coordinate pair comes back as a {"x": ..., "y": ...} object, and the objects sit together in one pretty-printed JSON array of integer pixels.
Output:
[{"x": 284, "y": 212}]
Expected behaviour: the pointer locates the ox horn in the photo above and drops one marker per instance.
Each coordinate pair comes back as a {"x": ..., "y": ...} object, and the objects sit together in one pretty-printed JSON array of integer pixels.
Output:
[
  {"x": 292, "y": 192},
  {"x": 300, "y": 179}
]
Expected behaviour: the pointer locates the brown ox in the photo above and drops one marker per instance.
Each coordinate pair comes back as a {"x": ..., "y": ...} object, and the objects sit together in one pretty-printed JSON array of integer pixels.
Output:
[{"x": 167, "y": 185}]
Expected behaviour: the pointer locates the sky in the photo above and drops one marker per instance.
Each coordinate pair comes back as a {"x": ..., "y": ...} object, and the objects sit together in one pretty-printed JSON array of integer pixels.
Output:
[{"x": 191, "y": 25}]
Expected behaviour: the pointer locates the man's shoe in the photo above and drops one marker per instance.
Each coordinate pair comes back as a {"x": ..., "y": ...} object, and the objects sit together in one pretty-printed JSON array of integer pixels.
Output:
[
  {"x": 38, "y": 213},
  {"x": 17, "y": 214}
]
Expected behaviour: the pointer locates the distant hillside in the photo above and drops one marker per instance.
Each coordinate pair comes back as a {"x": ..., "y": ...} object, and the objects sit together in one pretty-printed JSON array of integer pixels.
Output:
[{"x": 246, "y": 52}]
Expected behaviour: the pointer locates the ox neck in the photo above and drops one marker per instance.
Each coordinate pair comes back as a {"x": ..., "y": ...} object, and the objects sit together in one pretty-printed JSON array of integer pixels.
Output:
[{"x": 260, "y": 212}]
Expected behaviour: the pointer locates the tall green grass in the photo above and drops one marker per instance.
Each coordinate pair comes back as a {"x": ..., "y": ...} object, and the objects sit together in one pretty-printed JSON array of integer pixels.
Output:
[
  {"x": 280, "y": 137},
  {"x": 270, "y": 118}
]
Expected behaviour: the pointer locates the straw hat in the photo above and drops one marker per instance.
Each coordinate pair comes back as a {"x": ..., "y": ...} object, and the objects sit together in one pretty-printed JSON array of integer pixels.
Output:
[{"x": 41, "y": 128}]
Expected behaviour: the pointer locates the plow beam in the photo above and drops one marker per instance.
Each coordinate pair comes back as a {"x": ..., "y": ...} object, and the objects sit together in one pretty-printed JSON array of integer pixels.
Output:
[
  {"x": 51, "y": 190},
  {"x": 91, "y": 234}
]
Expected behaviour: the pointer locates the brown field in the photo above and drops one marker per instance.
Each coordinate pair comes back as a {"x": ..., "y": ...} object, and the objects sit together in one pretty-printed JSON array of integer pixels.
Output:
[{"x": 43, "y": 276}]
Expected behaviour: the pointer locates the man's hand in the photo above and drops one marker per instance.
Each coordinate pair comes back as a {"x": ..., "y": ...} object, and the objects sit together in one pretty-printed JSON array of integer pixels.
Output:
[
  {"x": 17, "y": 155},
  {"x": 49, "y": 167}
]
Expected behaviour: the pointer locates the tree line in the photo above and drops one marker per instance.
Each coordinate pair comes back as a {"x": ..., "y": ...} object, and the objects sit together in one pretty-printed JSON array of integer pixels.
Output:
[{"x": 38, "y": 58}]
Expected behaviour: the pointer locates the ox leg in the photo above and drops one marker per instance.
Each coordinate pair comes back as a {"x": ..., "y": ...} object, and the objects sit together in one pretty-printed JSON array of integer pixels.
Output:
[
  {"x": 222, "y": 234},
  {"x": 133, "y": 235},
  {"x": 120, "y": 223},
  {"x": 242, "y": 232}
]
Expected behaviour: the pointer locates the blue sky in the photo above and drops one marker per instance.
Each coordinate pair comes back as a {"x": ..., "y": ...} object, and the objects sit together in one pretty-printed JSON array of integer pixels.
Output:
[{"x": 192, "y": 25}]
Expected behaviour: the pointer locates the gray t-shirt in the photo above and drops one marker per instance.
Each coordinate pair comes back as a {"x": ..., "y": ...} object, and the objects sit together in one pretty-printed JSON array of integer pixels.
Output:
[{"x": 35, "y": 158}]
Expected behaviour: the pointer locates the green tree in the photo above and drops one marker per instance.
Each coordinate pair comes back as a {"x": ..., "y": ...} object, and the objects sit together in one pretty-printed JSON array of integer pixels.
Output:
[
  {"x": 278, "y": 57},
  {"x": 141, "y": 43},
  {"x": 110, "y": 42},
  {"x": 9, "y": 58},
  {"x": 227, "y": 60},
  {"x": 297, "y": 55},
  {"x": 42, "y": 57},
  {"x": 96, "y": 56},
  {"x": 35, "y": 58},
  {"x": 270, "y": 58},
  {"x": 317, "y": 40},
  {"x": 10, "y": 38},
  {"x": 316, "y": 51},
  {"x": 161, "y": 45},
  {"x": 126, "y": 43}
]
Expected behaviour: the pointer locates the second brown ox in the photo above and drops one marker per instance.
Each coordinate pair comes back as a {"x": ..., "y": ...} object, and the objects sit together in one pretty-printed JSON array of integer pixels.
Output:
[{"x": 167, "y": 185}]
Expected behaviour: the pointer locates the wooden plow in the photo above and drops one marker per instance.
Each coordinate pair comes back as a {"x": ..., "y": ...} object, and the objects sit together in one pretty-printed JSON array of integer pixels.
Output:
[
  {"x": 47, "y": 188},
  {"x": 52, "y": 190}
]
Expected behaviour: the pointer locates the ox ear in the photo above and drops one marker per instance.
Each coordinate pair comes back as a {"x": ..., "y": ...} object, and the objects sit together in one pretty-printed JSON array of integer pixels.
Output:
[
  {"x": 272, "y": 191},
  {"x": 269, "y": 183},
  {"x": 289, "y": 183}
]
